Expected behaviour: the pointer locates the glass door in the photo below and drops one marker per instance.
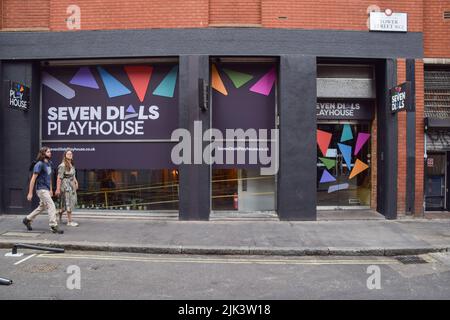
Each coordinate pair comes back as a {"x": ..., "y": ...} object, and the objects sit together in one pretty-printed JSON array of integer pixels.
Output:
[{"x": 343, "y": 165}]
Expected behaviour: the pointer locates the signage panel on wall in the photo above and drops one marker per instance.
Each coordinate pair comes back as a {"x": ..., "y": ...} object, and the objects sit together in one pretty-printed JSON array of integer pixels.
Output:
[
  {"x": 344, "y": 110},
  {"x": 17, "y": 95},
  {"x": 400, "y": 97},
  {"x": 395, "y": 22},
  {"x": 111, "y": 103}
]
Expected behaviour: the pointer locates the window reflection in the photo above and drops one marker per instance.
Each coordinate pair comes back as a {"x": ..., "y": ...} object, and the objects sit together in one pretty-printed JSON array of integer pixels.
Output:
[{"x": 128, "y": 189}]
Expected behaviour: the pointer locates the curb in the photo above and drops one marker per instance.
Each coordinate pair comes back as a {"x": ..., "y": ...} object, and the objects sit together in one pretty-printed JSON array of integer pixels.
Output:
[{"x": 244, "y": 250}]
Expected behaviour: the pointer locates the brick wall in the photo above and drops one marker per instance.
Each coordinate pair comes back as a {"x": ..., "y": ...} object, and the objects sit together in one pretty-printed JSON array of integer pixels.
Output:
[
  {"x": 240, "y": 12},
  {"x": 401, "y": 149},
  {"x": 437, "y": 30},
  {"x": 137, "y": 14},
  {"x": 419, "y": 189},
  {"x": 25, "y": 14},
  {"x": 342, "y": 15}
]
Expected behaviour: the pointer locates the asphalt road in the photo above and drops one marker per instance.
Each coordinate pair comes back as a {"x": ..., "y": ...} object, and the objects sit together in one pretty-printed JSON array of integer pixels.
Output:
[{"x": 40, "y": 275}]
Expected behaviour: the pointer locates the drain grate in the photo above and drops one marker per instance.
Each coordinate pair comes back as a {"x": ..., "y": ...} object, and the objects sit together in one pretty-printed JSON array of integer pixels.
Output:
[{"x": 411, "y": 260}]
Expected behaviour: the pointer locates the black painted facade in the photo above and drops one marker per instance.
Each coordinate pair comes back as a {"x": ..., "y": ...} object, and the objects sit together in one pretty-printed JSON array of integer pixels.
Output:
[{"x": 297, "y": 52}]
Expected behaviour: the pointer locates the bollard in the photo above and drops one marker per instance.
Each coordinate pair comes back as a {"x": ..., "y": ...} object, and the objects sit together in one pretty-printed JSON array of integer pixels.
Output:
[
  {"x": 5, "y": 282},
  {"x": 32, "y": 246}
]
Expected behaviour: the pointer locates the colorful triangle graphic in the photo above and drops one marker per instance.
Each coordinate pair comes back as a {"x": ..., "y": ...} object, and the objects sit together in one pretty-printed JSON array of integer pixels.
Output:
[
  {"x": 167, "y": 86},
  {"x": 265, "y": 84},
  {"x": 327, "y": 177},
  {"x": 323, "y": 140},
  {"x": 50, "y": 81},
  {"x": 360, "y": 141},
  {"x": 238, "y": 78},
  {"x": 329, "y": 163},
  {"x": 216, "y": 81},
  {"x": 358, "y": 168},
  {"x": 131, "y": 109},
  {"x": 114, "y": 87},
  {"x": 347, "y": 153},
  {"x": 140, "y": 78},
  {"x": 84, "y": 78},
  {"x": 346, "y": 133}
]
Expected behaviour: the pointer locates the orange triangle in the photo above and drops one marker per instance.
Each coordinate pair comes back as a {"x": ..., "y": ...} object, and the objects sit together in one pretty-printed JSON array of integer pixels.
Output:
[
  {"x": 323, "y": 140},
  {"x": 358, "y": 168},
  {"x": 139, "y": 77},
  {"x": 216, "y": 81}
]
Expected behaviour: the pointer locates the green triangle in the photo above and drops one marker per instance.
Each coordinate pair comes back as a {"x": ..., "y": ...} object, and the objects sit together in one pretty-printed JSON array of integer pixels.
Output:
[
  {"x": 328, "y": 162},
  {"x": 238, "y": 78}
]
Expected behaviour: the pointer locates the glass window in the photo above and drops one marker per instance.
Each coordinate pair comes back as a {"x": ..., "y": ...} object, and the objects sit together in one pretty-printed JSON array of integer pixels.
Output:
[
  {"x": 243, "y": 190},
  {"x": 128, "y": 189}
]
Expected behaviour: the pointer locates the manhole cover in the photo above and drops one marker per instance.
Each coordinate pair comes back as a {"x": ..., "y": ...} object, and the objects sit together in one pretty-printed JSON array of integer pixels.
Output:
[
  {"x": 21, "y": 234},
  {"x": 411, "y": 259}
]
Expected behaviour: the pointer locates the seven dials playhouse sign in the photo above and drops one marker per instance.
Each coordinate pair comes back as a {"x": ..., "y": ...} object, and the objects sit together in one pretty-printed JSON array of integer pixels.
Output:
[
  {"x": 109, "y": 102},
  {"x": 18, "y": 95},
  {"x": 401, "y": 97}
]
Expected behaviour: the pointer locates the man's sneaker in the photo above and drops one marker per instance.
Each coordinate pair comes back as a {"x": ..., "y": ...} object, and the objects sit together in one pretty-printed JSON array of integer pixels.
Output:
[
  {"x": 72, "y": 224},
  {"x": 27, "y": 223},
  {"x": 56, "y": 230}
]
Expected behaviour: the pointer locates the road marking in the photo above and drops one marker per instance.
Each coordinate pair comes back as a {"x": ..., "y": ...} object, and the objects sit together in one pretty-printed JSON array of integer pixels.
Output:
[
  {"x": 29, "y": 257},
  {"x": 222, "y": 260}
]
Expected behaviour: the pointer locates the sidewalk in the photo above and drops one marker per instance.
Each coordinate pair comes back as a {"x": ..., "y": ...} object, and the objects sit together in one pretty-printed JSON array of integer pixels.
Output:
[{"x": 239, "y": 237}]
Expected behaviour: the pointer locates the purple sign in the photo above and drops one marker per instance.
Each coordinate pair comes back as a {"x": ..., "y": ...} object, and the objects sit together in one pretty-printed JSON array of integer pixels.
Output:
[
  {"x": 243, "y": 97},
  {"x": 126, "y": 102},
  {"x": 248, "y": 101},
  {"x": 110, "y": 155}
]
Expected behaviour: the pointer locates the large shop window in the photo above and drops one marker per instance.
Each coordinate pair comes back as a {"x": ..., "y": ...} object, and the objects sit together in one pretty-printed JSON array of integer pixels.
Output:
[
  {"x": 243, "y": 97},
  {"x": 118, "y": 120}
]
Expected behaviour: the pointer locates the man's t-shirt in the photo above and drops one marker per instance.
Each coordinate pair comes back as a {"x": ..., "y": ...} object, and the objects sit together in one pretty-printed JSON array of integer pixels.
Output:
[{"x": 44, "y": 171}]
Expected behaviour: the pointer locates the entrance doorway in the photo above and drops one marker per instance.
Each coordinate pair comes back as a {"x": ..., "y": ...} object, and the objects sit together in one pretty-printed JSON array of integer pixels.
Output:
[
  {"x": 343, "y": 165},
  {"x": 435, "y": 186}
]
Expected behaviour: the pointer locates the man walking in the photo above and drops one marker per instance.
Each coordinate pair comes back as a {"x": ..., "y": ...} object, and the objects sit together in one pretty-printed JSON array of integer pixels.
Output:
[{"x": 42, "y": 173}]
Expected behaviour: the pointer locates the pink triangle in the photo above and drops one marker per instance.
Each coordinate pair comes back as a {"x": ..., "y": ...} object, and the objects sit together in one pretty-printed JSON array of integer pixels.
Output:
[
  {"x": 362, "y": 139},
  {"x": 139, "y": 77},
  {"x": 265, "y": 84}
]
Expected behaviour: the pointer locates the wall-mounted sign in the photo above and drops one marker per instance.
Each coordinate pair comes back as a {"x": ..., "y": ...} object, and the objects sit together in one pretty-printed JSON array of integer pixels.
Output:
[
  {"x": 18, "y": 95},
  {"x": 395, "y": 22},
  {"x": 346, "y": 110},
  {"x": 401, "y": 97},
  {"x": 110, "y": 115}
]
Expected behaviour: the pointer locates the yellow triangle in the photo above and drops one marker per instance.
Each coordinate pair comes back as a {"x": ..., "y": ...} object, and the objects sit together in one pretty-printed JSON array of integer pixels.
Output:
[
  {"x": 216, "y": 81},
  {"x": 358, "y": 168}
]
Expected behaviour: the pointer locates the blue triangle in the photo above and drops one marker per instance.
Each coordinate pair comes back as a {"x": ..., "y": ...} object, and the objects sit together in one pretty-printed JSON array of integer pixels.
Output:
[
  {"x": 131, "y": 109},
  {"x": 167, "y": 87},
  {"x": 347, "y": 153},
  {"x": 113, "y": 87},
  {"x": 327, "y": 177},
  {"x": 346, "y": 133}
]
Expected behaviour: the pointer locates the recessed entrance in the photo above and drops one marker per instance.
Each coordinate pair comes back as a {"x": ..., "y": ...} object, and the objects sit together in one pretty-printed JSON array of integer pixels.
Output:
[{"x": 343, "y": 165}]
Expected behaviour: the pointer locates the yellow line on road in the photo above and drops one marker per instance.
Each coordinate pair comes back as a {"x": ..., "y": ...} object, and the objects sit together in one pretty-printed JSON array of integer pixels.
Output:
[{"x": 222, "y": 260}]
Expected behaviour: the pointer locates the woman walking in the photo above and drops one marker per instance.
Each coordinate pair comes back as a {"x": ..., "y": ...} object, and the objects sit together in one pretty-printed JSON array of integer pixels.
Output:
[{"x": 66, "y": 187}]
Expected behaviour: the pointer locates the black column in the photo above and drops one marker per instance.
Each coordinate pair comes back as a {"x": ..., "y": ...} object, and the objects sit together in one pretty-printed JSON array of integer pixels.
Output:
[
  {"x": 20, "y": 138},
  {"x": 195, "y": 179},
  {"x": 386, "y": 141},
  {"x": 2, "y": 138},
  {"x": 298, "y": 152},
  {"x": 411, "y": 140}
]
